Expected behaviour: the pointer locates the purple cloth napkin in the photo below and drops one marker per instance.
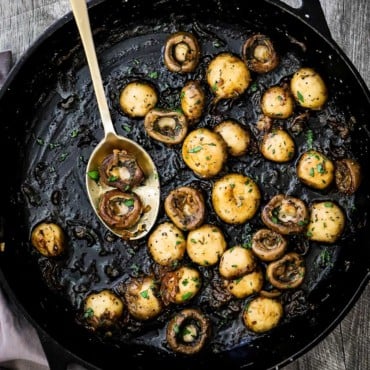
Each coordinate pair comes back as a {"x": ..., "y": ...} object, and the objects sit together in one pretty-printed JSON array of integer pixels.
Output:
[
  {"x": 20, "y": 346},
  {"x": 5, "y": 65}
]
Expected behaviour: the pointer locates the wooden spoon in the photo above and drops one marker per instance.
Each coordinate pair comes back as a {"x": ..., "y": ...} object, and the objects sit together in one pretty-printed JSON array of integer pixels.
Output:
[{"x": 149, "y": 190}]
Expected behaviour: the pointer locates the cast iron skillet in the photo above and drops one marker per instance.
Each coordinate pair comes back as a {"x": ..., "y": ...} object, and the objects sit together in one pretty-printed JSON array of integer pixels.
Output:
[{"x": 48, "y": 96}]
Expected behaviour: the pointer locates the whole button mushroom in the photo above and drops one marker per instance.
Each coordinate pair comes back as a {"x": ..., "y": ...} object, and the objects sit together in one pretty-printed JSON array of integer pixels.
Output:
[
  {"x": 137, "y": 98},
  {"x": 315, "y": 169},
  {"x": 308, "y": 88},
  {"x": 277, "y": 146},
  {"x": 347, "y": 175},
  {"x": 168, "y": 126},
  {"x": 102, "y": 309},
  {"x": 236, "y": 136},
  {"x": 235, "y": 198},
  {"x": 167, "y": 244},
  {"x": 120, "y": 170},
  {"x": 246, "y": 285},
  {"x": 188, "y": 331},
  {"x": 181, "y": 52},
  {"x": 262, "y": 314},
  {"x": 277, "y": 102},
  {"x": 268, "y": 245},
  {"x": 142, "y": 298},
  {"x": 287, "y": 272},
  {"x": 205, "y": 245},
  {"x": 205, "y": 152},
  {"x": 236, "y": 261},
  {"x": 228, "y": 76},
  {"x": 192, "y": 98},
  {"x": 259, "y": 53},
  {"x": 49, "y": 239},
  {"x": 327, "y": 221},
  {"x": 181, "y": 285},
  {"x": 285, "y": 214},
  {"x": 185, "y": 206},
  {"x": 120, "y": 210}
]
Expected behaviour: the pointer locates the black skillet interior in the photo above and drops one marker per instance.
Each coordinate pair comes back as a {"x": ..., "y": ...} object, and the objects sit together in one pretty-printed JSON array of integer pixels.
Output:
[{"x": 50, "y": 124}]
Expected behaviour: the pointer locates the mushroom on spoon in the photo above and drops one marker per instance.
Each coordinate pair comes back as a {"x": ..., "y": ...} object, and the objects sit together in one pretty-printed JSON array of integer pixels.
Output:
[{"x": 149, "y": 189}]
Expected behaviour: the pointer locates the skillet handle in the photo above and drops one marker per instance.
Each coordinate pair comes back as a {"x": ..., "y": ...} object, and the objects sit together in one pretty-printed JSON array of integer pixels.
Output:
[{"x": 311, "y": 13}]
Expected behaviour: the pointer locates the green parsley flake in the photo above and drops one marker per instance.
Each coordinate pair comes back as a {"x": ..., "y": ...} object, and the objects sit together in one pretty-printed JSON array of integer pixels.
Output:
[
  {"x": 300, "y": 97},
  {"x": 94, "y": 175}
]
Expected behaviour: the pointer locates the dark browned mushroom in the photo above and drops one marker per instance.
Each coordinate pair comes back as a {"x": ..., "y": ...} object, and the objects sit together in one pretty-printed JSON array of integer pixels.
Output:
[
  {"x": 188, "y": 331},
  {"x": 121, "y": 170},
  {"x": 181, "y": 52},
  {"x": 268, "y": 245},
  {"x": 287, "y": 272},
  {"x": 120, "y": 210},
  {"x": 169, "y": 127},
  {"x": 285, "y": 214},
  {"x": 347, "y": 175},
  {"x": 259, "y": 54},
  {"x": 185, "y": 207}
]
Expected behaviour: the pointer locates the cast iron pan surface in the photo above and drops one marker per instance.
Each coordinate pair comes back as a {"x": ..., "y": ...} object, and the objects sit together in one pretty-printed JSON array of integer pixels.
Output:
[{"x": 50, "y": 124}]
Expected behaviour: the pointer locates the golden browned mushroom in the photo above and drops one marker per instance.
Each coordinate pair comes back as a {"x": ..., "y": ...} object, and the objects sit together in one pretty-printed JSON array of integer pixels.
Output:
[
  {"x": 181, "y": 285},
  {"x": 169, "y": 127},
  {"x": 235, "y": 198},
  {"x": 347, "y": 175},
  {"x": 236, "y": 261},
  {"x": 49, "y": 239},
  {"x": 188, "y": 331},
  {"x": 308, "y": 88},
  {"x": 277, "y": 146},
  {"x": 288, "y": 272},
  {"x": 193, "y": 101},
  {"x": 268, "y": 245},
  {"x": 246, "y": 285},
  {"x": 120, "y": 210},
  {"x": 185, "y": 207},
  {"x": 236, "y": 136},
  {"x": 327, "y": 221},
  {"x": 204, "y": 152},
  {"x": 205, "y": 245},
  {"x": 142, "y": 298},
  {"x": 102, "y": 309},
  {"x": 262, "y": 314},
  {"x": 120, "y": 170},
  {"x": 167, "y": 244},
  {"x": 137, "y": 98},
  {"x": 285, "y": 214},
  {"x": 277, "y": 102},
  {"x": 315, "y": 169},
  {"x": 228, "y": 76},
  {"x": 259, "y": 53},
  {"x": 181, "y": 52}
]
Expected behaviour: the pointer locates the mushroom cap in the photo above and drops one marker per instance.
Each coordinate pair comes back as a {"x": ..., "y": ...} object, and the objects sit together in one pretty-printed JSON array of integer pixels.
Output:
[
  {"x": 285, "y": 214},
  {"x": 185, "y": 206},
  {"x": 179, "y": 324},
  {"x": 259, "y": 53},
  {"x": 235, "y": 198}
]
